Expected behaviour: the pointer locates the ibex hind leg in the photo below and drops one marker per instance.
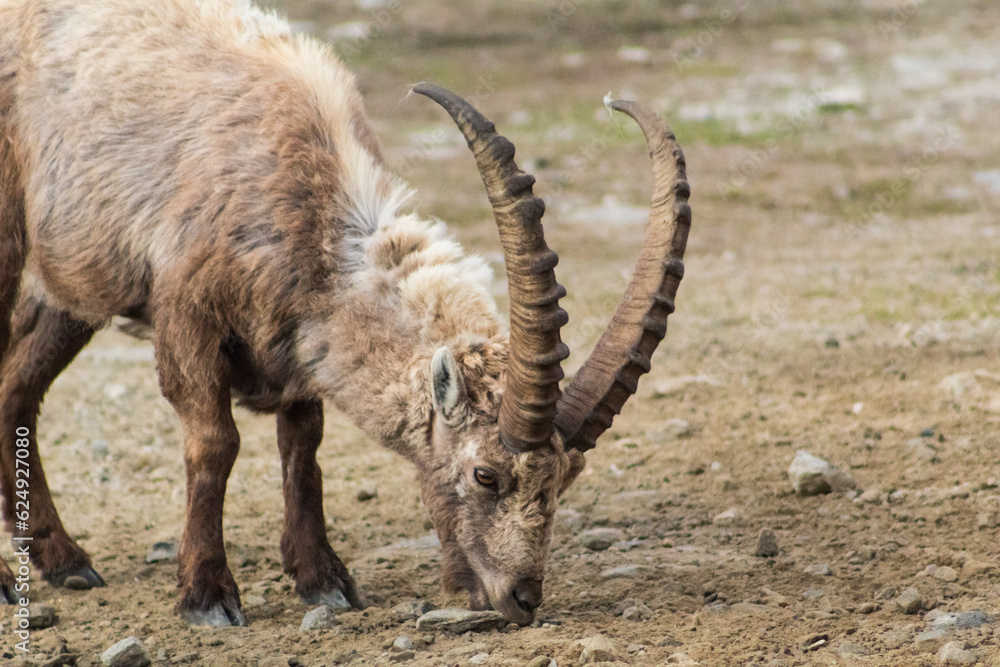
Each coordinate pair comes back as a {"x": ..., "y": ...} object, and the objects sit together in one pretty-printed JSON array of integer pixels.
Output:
[
  {"x": 43, "y": 341},
  {"x": 12, "y": 232}
]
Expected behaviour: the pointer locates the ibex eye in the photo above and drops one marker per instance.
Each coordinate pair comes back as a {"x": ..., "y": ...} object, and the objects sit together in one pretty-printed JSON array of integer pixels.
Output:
[{"x": 486, "y": 477}]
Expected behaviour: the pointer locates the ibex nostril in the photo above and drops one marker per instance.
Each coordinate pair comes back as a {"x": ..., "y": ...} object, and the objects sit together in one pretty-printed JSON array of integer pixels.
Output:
[{"x": 528, "y": 594}]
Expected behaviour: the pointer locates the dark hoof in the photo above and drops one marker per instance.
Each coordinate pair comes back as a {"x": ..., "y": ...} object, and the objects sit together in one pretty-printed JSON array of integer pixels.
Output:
[
  {"x": 335, "y": 599},
  {"x": 7, "y": 594},
  {"x": 86, "y": 573},
  {"x": 219, "y": 616}
]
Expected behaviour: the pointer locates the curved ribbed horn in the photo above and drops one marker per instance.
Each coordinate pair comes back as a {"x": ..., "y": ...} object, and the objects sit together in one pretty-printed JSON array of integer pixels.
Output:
[
  {"x": 611, "y": 373},
  {"x": 536, "y": 351}
]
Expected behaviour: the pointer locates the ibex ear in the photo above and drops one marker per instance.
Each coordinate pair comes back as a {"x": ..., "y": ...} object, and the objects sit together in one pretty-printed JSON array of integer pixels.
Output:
[
  {"x": 450, "y": 399},
  {"x": 576, "y": 465}
]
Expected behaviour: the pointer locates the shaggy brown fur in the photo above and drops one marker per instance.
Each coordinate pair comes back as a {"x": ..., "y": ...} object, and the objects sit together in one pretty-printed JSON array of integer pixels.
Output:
[{"x": 192, "y": 166}]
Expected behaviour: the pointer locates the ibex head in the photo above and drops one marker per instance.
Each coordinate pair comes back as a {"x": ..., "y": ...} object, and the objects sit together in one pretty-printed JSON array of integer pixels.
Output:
[{"x": 508, "y": 440}]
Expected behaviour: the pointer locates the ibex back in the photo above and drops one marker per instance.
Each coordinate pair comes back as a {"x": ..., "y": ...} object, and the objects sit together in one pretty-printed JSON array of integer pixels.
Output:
[{"x": 193, "y": 167}]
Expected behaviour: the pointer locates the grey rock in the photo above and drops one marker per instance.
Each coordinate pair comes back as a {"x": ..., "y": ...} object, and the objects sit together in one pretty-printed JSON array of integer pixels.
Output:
[
  {"x": 965, "y": 620},
  {"x": 598, "y": 649},
  {"x": 479, "y": 659},
  {"x": 162, "y": 552},
  {"x": 77, "y": 583},
  {"x": 910, "y": 601},
  {"x": 954, "y": 653},
  {"x": 126, "y": 653},
  {"x": 945, "y": 573},
  {"x": 819, "y": 570},
  {"x": 458, "y": 620},
  {"x": 625, "y": 605},
  {"x": 635, "y": 648},
  {"x": 599, "y": 539},
  {"x": 403, "y": 643},
  {"x": 730, "y": 517},
  {"x": 412, "y": 610},
  {"x": 345, "y": 657},
  {"x": 41, "y": 615},
  {"x": 812, "y": 476},
  {"x": 367, "y": 493},
  {"x": 622, "y": 572},
  {"x": 886, "y": 594},
  {"x": 767, "y": 544},
  {"x": 539, "y": 661},
  {"x": 867, "y": 608},
  {"x": 640, "y": 612},
  {"x": 813, "y": 593},
  {"x": 320, "y": 618}
]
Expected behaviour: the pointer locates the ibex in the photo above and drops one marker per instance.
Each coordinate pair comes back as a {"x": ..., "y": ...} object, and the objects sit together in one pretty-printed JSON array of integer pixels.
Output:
[{"x": 192, "y": 166}]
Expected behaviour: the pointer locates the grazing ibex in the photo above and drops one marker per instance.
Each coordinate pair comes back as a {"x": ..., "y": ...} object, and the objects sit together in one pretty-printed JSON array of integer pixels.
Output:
[{"x": 190, "y": 165}]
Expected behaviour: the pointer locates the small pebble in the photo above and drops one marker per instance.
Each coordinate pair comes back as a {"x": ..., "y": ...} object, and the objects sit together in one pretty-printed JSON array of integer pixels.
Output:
[
  {"x": 910, "y": 601},
  {"x": 819, "y": 570},
  {"x": 126, "y": 653},
  {"x": 539, "y": 661},
  {"x": 867, "y": 608},
  {"x": 767, "y": 544},
  {"x": 598, "y": 649},
  {"x": 320, "y": 618},
  {"x": 366, "y": 493},
  {"x": 599, "y": 539},
  {"x": 41, "y": 615},
  {"x": 730, "y": 517},
  {"x": 457, "y": 620},
  {"x": 403, "y": 643},
  {"x": 954, "y": 653}
]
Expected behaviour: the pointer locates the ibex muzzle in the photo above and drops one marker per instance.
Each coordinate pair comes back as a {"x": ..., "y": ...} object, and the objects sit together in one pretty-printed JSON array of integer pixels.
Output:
[{"x": 193, "y": 167}]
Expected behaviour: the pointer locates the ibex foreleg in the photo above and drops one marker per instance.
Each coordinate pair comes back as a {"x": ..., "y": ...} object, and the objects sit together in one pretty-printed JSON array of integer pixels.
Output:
[
  {"x": 307, "y": 555},
  {"x": 194, "y": 377}
]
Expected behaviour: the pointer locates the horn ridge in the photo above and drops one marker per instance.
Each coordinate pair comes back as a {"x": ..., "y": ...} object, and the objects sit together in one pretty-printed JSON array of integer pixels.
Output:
[
  {"x": 531, "y": 392},
  {"x": 611, "y": 373}
]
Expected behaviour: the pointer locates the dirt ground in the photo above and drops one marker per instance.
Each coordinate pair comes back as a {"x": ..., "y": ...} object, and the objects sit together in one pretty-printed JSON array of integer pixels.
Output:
[{"x": 842, "y": 291}]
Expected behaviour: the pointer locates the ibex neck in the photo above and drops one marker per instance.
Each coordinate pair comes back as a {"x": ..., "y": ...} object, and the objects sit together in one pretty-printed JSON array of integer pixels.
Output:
[{"x": 374, "y": 372}]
